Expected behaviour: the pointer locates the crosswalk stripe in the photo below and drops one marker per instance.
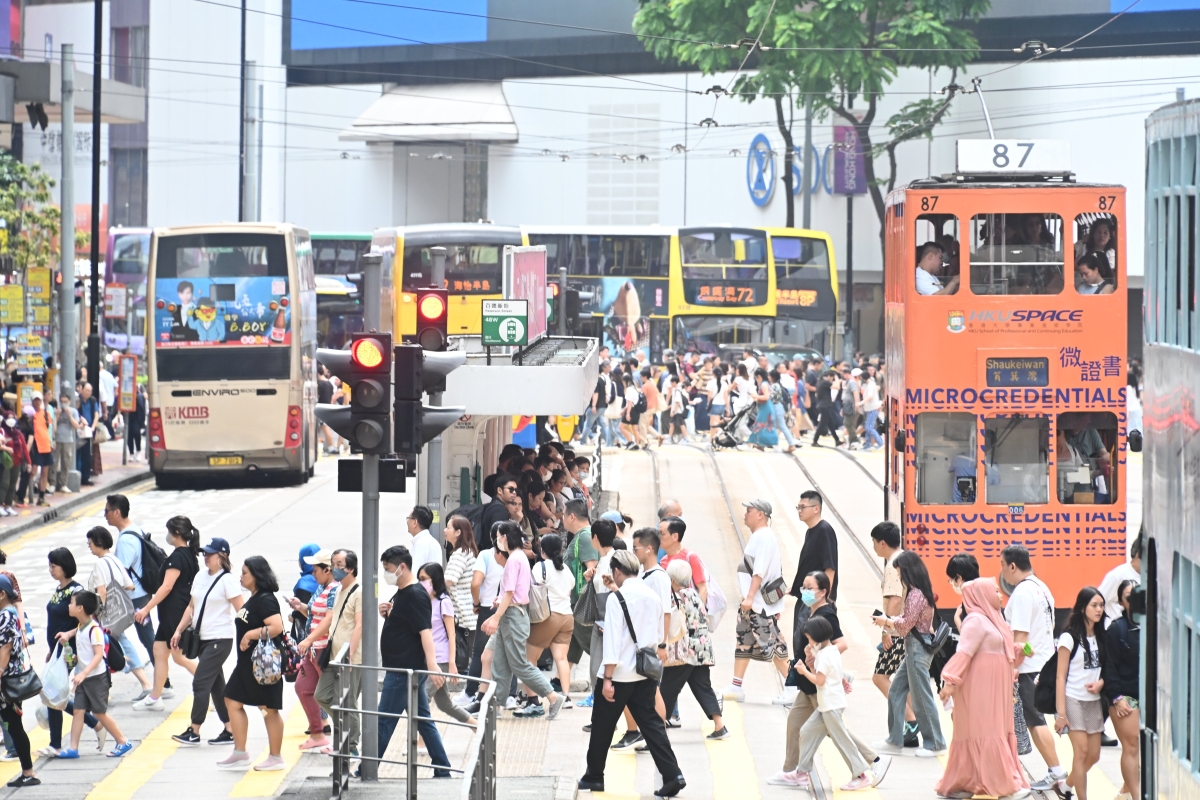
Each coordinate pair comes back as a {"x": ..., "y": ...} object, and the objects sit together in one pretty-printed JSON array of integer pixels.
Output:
[
  {"x": 266, "y": 784},
  {"x": 731, "y": 762},
  {"x": 620, "y": 773},
  {"x": 146, "y": 759},
  {"x": 839, "y": 773}
]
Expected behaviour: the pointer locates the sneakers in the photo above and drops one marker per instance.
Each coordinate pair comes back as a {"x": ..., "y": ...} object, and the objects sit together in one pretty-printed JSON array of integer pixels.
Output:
[
  {"x": 586, "y": 702},
  {"x": 674, "y": 722},
  {"x": 567, "y": 702},
  {"x": 879, "y": 769},
  {"x": 510, "y": 703},
  {"x": 1046, "y": 784},
  {"x": 463, "y": 699},
  {"x": 142, "y": 695},
  {"x": 473, "y": 706},
  {"x": 734, "y": 693},
  {"x": 628, "y": 741},
  {"x": 270, "y": 764},
  {"x": 795, "y": 779},
  {"x": 149, "y": 704},
  {"x": 168, "y": 693},
  {"x": 925, "y": 752},
  {"x": 188, "y": 737},
  {"x": 717, "y": 735},
  {"x": 910, "y": 735},
  {"x": 120, "y": 750},
  {"x": 861, "y": 782},
  {"x": 786, "y": 697},
  {"x": 534, "y": 710},
  {"x": 556, "y": 706},
  {"x": 24, "y": 780},
  {"x": 238, "y": 758},
  {"x": 224, "y": 737},
  {"x": 887, "y": 748}
]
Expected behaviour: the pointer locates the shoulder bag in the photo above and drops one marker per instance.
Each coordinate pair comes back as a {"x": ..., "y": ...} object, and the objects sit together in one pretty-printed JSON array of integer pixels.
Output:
[
  {"x": 678, "y": 624},
  {"x": 539, "y": 599},
  {"x": 646, "y": 663},
  {"x": 24, "y": 684},
  {"x": 935, "y": 641},
  {"x": 189, "y": 640},
  {"x": 327, "y": 650},
  {"x": 116, "y": 614},
  {"x": 266, "y": 662},
  {"x": 772, "y": 591}
]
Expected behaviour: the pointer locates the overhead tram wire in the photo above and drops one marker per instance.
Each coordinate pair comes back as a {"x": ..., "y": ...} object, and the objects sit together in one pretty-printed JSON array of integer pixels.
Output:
[{"x": 827, "y": 504}]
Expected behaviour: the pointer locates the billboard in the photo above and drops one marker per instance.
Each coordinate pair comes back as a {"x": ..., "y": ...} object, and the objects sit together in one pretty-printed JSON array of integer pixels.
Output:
[{"x": 228, "y": 311}]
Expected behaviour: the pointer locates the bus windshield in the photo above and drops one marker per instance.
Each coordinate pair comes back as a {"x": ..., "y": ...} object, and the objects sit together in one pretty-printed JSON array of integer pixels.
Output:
[
  {"x": 702, "y": 334},
  {"x": 723, "y": 254},
  {"x": 798, "y": 258}
]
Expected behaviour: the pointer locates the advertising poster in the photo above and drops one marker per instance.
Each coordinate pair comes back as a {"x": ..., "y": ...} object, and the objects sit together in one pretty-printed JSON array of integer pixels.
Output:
[
  {"x": 849, "y": 171},
  {"x": 525, "y": 279},
  {"x": 626, "y": 305},
  {"x": 12, "y": 304},
  {"x": 229, "y": 311}
]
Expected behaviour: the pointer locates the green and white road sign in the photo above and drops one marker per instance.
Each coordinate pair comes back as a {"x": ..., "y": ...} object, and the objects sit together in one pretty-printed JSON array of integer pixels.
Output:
[{"x": 505, "y": 323}]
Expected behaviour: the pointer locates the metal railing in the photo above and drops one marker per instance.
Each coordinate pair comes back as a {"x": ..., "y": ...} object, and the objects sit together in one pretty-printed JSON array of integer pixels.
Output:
[
  {"x": 479, "y": 770},
  {"x": 596, "y": 474}
]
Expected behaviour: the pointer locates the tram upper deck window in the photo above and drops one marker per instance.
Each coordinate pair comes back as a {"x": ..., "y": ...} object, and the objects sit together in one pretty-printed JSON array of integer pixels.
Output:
[
  {"x": 617, "y": 256},
  {"x": 728, "y": 254},
  {"x": 1095, "y": 253},
  {"x": 937, "y": 255},
  {"x": 1016, "y": 459},
  {"x": 470, "y": 268},
  {"x": 1084, "y": 450},
  {"x": 1017, "y": 254},
  {"x": 946, "y": 458}
]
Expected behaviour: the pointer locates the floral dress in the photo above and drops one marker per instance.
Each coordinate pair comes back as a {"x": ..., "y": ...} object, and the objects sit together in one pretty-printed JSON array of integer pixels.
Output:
[
  {"x": 10, "y": 633},
  {"x": 696, "y": 646}
]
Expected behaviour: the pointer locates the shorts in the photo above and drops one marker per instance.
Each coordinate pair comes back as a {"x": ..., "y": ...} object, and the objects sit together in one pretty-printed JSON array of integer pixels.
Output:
[
  {"x": 1085, "y": 715},
  {"x": 556, "y": 629},
  {"x": 1026, "y": 685},
  {"x": 92, "y": 694},
  {"x": 889, "y": 660},
  {"x": 758, "y": 637},
  {"x": 41, "y": 459}
]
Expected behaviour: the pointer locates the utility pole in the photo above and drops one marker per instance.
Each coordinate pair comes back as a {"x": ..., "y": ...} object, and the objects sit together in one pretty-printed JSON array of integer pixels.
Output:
[
  {"x": 806, "y": 211},
  {"x": 242, "y": 126},
  {"x": 433, "y": 459},
  {"x": 848, "y": 343},
  {"x": 372, "y": 267},
  {"x": 93, "y": 348},
  {"x": 68, "y": 344}
]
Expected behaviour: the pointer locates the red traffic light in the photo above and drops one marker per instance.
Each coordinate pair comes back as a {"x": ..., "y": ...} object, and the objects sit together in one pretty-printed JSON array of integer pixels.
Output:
[
  {"x": 367, "y": 353},
  {"x": 432, "y": 308}
]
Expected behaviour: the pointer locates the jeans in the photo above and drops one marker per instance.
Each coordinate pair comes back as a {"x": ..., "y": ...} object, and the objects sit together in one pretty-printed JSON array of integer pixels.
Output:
[
  {"x": 477, "y": 647},
  {"x": 136, "y": 655},
  {"x": 873, "y": 437},
  {"x": 781, "y": 423},
  {"x": 393, "y": 699},
  {"x": 913, "y": 677}
]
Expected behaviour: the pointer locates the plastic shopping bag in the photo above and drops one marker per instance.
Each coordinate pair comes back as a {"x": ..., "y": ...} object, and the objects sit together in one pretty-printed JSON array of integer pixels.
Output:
[{"x": 56, "y": 681}]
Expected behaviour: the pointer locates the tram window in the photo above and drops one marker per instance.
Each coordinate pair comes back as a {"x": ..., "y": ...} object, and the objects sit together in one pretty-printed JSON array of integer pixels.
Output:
[
  {"x": 1095, "y": 253},
  {"x": 1016, "y": 459},
  {"x": 1017, "y": 254},
  {"x": 1083, "y": 453},
  {"x": 947, "y": 460},
  {"x": 937, "y": 254}
]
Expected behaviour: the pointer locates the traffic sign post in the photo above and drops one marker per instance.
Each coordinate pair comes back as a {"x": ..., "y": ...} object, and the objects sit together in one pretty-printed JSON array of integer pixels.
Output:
[{"x": 505, "y": 323}]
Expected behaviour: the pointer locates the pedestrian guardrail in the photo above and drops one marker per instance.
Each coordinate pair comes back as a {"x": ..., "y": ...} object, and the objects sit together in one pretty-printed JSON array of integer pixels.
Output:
[{"x": 478, "y": 771}]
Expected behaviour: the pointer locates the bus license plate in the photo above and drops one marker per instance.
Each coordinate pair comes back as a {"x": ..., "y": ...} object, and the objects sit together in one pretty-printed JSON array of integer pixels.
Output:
[{"x": 224, "y": 461}]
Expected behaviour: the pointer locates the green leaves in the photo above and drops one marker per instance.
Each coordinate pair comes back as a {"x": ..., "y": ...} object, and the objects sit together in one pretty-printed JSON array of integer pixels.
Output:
[{"x": 33, "y": 221}]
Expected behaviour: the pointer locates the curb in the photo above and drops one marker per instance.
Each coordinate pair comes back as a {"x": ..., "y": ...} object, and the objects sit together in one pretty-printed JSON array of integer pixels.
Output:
[{"x": 78, "y": 500}]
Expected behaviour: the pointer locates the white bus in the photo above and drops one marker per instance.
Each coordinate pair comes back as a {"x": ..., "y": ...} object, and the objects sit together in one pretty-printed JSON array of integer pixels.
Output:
[{"x": 231, "y": 355}]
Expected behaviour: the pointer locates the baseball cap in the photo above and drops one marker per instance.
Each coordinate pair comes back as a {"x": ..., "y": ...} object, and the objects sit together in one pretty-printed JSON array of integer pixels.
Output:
[
  {"x": 856, "y": 372},
  {"x": 323, "y": 557},
  {"x": 613, "y": 516},
  {"x": 761, "y": 505},
  {"x": 37, "y": 396},
  {"x": 218, "y": 545}
]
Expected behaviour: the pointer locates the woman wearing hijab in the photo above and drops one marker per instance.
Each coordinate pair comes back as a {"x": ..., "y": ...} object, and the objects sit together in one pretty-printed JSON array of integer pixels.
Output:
[{"x": 983, "y": 752}]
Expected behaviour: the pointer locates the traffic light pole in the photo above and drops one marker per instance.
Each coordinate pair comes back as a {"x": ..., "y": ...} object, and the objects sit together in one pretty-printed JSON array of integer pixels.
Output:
[
  {"x": 433, "y": 459},
  {"x": 372, "y": 290}
]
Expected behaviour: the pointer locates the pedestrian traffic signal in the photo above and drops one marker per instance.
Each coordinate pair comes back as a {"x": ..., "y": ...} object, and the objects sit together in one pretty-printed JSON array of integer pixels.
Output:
[
  {"x": 419, "y": 371},
  {"x": 432, "y": 309},
  {"x": 365, "y": 368}
]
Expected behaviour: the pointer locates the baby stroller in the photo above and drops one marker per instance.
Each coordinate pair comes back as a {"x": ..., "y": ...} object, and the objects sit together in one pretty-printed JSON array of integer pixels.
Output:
[{"x": 736, "y": 430}]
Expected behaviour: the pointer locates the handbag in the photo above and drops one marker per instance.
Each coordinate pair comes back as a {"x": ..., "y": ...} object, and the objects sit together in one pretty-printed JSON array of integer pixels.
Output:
[
  {"x": 266, "y": 662},
  {"x": 772, "y": 591},
  {"x": 24, "y": 684},
  {"x": 646, "y": 663},
  {"x": 1024, "y": 743},
  {"x": 189, "y": 640},
  {"x": 101, "y": 434},
  {"x": 587, "y": 608},
  {"x": 678, "y": 628},
  {"x": 539, "y": 599},
  {"x": 614, "y": 409},
  {"x": 935, "y": 641},
  {"x": 116, "y": 615},
  {"x": 327, "y": 651}
]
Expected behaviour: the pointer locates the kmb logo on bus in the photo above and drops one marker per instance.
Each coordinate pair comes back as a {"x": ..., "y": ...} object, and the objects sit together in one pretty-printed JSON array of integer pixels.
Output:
[{"x": 187, "y": 412}]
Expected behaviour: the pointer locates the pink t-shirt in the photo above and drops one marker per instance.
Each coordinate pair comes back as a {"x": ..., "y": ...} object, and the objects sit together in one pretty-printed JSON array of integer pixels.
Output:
[
  {"x": 693, "y": 561},
  {"x": 441, "y": 637},
  {"x": 516, "y": 578}
]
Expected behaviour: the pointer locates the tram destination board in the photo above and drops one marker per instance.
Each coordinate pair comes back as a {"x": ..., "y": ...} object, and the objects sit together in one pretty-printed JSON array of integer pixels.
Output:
[{"x": 1003, "y": 372}]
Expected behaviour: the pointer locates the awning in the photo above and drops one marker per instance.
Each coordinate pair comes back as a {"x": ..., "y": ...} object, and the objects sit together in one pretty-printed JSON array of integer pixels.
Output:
[{"x": 456, "y": 112}]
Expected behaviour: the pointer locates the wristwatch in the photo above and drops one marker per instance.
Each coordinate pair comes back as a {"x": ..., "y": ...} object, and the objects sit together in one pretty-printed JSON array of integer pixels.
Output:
[{"x": 662, "y": 645}]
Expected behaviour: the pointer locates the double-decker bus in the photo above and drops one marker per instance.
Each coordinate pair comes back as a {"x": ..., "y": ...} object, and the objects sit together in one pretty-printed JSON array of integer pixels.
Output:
[
  {"x": 231, "y": 355},
  {"x": 125, "y": 263},
  {"x": 1006, "y": 354},
  {"x": 806, "y": 288}
]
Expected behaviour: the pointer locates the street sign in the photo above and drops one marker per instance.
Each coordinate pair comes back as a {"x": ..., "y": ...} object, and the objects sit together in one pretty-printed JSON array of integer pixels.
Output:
[
  {"x": 29, "y": 361},
  {"x": 29, "y": 341},
  {"x": 115, "y": 299},
  {"x": 39, "y": 314},
  {"x": 525, "y": 279},
  {"x": 505, "y": 322},
  {"x": 38, "y": 281},
  {"x": 25, "y": 391},
  {"x": 1014, "y": 156},
  {"x": 127, "y": 383},
  {"x": 12, "y": 304}
]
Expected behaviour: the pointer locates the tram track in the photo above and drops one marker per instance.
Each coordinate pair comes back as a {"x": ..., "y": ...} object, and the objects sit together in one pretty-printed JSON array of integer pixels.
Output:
[{"x": 827, "y": 504}]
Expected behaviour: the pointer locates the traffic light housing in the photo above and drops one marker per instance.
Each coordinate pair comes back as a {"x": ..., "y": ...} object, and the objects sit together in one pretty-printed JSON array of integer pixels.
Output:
[
  {"x": 419, "y": 371},
  {"x": 433, "y": 307},
  {"x": 366, "y": 369}
]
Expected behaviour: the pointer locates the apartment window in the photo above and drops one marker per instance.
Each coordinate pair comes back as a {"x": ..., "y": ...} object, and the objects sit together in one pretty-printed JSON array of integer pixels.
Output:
[
  {"x": 129, "y": 54},
  {"x": 127, "y": 171},
  {"x": 1185, "y": 655}
]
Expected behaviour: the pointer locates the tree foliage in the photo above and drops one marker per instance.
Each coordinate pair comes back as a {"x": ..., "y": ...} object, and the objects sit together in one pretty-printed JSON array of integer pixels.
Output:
[
  {"x": 31, "y": 218},
  {"x": 841, "y": 54}
]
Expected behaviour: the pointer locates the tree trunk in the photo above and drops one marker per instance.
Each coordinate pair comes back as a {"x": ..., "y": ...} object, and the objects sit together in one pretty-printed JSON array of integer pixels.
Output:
[{"x": 789, "y": 156}]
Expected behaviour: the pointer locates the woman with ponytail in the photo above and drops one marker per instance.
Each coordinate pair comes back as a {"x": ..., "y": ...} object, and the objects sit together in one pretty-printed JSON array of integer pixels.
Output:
[{"x": 171, "y": 599}]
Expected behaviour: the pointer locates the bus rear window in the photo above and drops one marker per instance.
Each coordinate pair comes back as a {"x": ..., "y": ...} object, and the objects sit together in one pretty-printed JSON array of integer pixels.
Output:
[
  {"x": 1016, "y": 459},
  {"x": 797, "y": 257},
  {"x": 202, "y": 364},
  {"x": 470, "y": 268},
  {"x": 222, "y": 255},
  {"x": 1017, "y": 254}
]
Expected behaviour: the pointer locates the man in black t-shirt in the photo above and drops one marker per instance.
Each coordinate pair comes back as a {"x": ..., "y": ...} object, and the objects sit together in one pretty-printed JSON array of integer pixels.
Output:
[
  {"x": 819, "y": 554},
  {"x": 406, "y": 642}
]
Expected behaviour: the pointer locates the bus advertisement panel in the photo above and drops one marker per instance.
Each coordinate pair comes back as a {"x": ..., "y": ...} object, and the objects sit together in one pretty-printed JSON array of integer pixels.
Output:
[{"x": 241, "y": 311}]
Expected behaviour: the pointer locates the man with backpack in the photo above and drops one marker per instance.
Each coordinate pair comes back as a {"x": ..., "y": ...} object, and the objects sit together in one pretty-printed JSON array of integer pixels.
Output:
[{"x": 143, "y": 560}]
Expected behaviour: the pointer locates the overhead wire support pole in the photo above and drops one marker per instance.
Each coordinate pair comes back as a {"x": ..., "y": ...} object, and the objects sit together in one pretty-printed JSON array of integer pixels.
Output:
[
  {"x": 93, "y": 348},
  {"x": 987, "y": 118},
  {"x": 68, "y": 334},
  {"x": 242, "y": 124},
  {"x": 372, "y": 267}
]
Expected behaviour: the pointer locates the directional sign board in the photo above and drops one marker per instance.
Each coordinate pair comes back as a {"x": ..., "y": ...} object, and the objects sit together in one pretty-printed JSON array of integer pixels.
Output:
[{"x": 505, "y": 323}]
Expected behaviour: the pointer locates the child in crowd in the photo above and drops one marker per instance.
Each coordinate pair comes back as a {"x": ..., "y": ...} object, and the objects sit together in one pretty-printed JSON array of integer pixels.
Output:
[
  {"x": 91, "y": 680},
  {"x": 827, "y": 674}
]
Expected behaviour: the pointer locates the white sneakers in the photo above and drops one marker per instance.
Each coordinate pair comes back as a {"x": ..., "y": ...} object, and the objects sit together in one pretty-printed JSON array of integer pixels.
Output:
[
  {"x": 734, "y": 693},
  {"x": 786, "y": 697},
  {"x": 149, "y": 704}
]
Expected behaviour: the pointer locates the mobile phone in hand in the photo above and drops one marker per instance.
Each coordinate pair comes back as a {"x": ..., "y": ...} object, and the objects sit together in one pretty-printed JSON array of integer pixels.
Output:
[{"x": 877, "y": 613}]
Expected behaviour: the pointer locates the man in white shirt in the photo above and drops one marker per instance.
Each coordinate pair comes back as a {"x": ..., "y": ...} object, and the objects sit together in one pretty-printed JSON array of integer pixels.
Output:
[
  {"x": 604, "y": 532},
  {"x": 633, "y": 624},
  {"x": 758, "y": 635},
  {"x": 1030, "y": 614},
  {"x": 424, "y": 547},
  {"x": 1131, "y": 571},
  {"x": 108, "y": 396},
  {"x": 929, "y": 266}
]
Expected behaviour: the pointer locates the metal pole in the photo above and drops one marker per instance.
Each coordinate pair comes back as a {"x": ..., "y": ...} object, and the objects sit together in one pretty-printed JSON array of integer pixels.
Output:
[
  {"x": 433, "y": 456},
  {"x": 372, "y": 269},
  {"x": 562, "y": 301},
  {"x": 93, "y": 349},
  {"x": 128, "y": 349},
  {"x": 242, "y": 123},
  {"x": 983, "y": 104},
  {"x": 410, "y": 785},
  {"x": 806, "y": 212},
  {"x": 848, "y": 343},
  {"x": 68, "y": 343}
]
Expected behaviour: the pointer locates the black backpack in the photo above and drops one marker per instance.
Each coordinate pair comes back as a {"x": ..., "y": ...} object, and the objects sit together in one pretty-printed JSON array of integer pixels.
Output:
[
  {"x": 473, "y": 513},
  {"x": 640, "y": 405},
  {"x": 114, "y": 656},
  {"x": 1045, "y": 693},
  {"x": 153, "y": 559}
]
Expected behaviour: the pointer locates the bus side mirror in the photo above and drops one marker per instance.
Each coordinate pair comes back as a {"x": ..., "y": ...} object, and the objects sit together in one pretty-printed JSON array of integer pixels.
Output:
[
  {"x": 900, "y": 441},
  {"x": 1135, "y": 441}
]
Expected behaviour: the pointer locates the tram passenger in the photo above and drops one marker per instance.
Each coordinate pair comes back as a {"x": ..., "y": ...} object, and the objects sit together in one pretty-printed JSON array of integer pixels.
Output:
[
  {"x": 1101, "y": 238},
  {"x": 1094, "y": 274},
  {"x": 929, "y": 266}
]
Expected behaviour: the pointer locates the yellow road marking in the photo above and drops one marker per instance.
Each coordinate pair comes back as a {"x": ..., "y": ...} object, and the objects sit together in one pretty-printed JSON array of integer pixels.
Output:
[
  {"x": 54, "y": 526},
  {"x": 38, "y": 738},
  {"x": 146, "y": 759},
  {"x": 839, "y": 773},
  {"x": 266, "y": 784},
  {"x": 620, "y": 773},
  {"x": 730, "y": 761}
]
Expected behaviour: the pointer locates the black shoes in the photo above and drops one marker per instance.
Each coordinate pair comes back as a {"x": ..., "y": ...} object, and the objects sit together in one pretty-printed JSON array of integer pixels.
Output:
[
  {"x": 586, "y": 784},
  {"x": 224, "y": 737},
  {"x": 1107, "y": 741},
  {"x": 188, "y": 737},
  {"x": 672, "y": 787},
  {"x": 22, "y": 781},
  {"x": 627, "y": 742}
]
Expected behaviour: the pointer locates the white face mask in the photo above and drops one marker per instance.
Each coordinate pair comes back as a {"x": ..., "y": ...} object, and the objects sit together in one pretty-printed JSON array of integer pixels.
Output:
[
  {"x": 390, "y": 578},
  {"x": 11, "y": 422}
]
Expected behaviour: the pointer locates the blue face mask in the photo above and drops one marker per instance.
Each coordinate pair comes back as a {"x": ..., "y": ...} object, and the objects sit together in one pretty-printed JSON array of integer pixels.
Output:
[
  {"x": 339, "y": 574},
  {"x": 808, "y": 597}
]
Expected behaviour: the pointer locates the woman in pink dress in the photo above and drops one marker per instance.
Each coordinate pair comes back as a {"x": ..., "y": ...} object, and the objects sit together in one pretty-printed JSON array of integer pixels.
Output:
[{"x": 983, "y": 753}]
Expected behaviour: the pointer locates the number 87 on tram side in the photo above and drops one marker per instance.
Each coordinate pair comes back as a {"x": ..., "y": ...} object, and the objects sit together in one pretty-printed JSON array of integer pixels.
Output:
[{"x": 1008, "y": 277}]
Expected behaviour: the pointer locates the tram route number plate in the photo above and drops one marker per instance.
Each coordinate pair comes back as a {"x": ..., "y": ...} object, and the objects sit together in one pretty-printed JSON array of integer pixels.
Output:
[
  {"x": 1014, "y": 156},
  {"x": 1004, "y": 372},
  {"x": 224, "y": 461}
]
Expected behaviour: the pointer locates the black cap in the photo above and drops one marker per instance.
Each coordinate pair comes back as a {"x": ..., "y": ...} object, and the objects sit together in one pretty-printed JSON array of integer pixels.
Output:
[{"x": 217, "y": 545}]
